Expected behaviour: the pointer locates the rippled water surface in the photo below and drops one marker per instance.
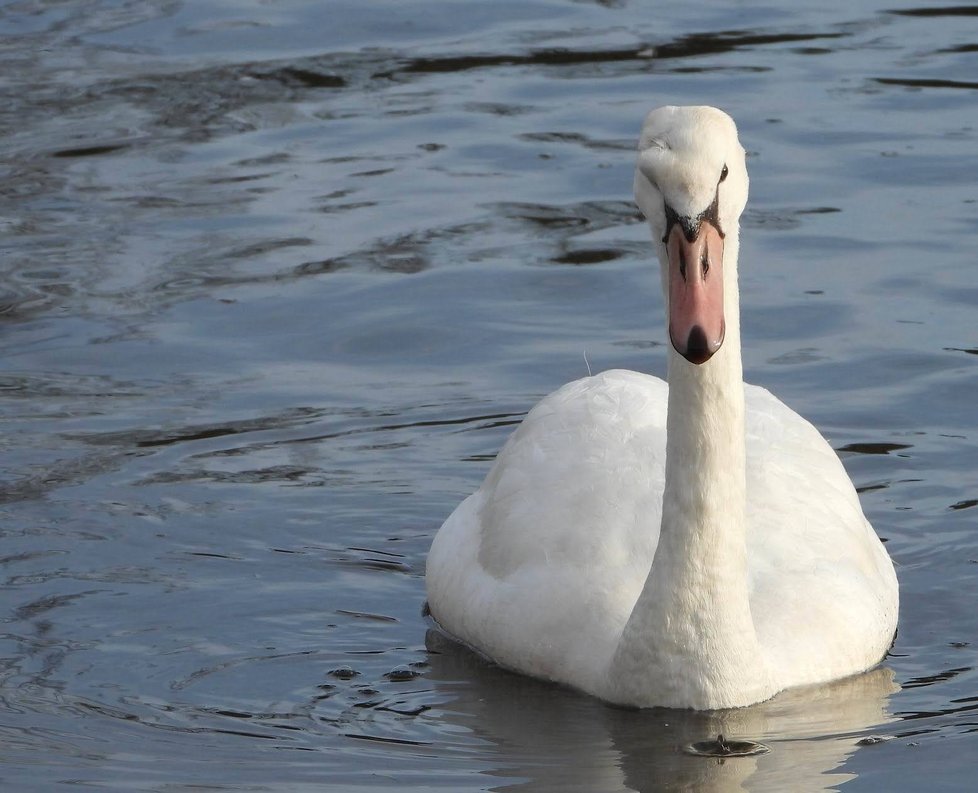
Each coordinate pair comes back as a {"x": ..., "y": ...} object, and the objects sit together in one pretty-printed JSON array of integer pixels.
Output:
[{"x": 278, "y": 278}]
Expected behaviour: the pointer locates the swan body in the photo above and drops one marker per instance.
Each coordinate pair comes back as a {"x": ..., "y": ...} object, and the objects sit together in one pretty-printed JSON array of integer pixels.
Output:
[{"x": 692, "y": 545}]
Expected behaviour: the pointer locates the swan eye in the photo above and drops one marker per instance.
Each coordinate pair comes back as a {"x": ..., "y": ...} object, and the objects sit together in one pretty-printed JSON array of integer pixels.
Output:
[{"x": 723, "y": 173}]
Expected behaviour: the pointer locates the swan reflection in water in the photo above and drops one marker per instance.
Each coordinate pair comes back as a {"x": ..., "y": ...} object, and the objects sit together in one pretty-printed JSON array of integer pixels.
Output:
[{"x": 543, "y": 737}]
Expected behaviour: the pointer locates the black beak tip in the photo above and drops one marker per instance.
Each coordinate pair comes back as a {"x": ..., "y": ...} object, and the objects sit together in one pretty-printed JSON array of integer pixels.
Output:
[{"x": 697, "y": 348}]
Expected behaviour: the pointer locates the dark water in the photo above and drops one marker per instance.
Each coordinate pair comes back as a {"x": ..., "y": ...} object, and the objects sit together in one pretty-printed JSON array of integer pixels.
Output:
[{"x": 277, "y": 280}]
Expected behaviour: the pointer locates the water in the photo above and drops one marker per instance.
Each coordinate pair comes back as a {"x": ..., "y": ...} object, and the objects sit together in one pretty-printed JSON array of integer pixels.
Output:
[{"x": 279, "y": 278}]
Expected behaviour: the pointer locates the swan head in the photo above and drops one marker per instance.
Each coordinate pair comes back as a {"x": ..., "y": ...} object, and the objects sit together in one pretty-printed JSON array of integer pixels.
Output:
[{"x": 691, "y": 185}]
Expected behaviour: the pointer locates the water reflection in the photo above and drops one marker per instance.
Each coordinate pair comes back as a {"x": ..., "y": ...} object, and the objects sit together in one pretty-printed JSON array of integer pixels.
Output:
[
  {"x": 691, "y": 46},
  {"x": 556, "y": 739}
]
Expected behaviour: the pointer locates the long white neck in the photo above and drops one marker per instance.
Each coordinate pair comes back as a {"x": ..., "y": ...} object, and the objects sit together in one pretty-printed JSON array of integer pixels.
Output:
[{"x": 690, "y": 640}]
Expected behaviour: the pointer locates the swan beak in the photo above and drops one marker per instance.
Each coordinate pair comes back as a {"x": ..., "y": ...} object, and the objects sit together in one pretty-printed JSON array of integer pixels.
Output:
[{"x": 696, "y": 325}]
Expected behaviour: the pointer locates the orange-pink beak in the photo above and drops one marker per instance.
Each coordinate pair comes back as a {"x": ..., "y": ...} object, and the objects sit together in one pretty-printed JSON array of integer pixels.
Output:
[{"x": 696, "y": 324}]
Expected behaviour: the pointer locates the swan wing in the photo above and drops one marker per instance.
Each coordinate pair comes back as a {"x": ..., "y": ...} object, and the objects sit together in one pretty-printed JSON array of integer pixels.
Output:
[
  {"x": 541, "y": 566},
  {"x": 823, "y": 589}
]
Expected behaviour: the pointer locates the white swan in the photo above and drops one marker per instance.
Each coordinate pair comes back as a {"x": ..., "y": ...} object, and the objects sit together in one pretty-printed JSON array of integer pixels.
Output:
[{"x": 696, "y": 545}]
